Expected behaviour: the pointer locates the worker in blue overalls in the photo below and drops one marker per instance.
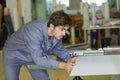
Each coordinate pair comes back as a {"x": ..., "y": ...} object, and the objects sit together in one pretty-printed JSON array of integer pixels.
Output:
[{"x": 33, "y": 44}]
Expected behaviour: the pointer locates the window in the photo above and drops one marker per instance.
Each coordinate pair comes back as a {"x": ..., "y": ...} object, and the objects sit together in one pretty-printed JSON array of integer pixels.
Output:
[{"x": 95, "y": 1}]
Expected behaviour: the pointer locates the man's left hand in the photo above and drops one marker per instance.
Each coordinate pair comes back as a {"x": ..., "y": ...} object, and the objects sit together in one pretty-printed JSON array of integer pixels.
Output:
[{"x": 73, "y": 60}]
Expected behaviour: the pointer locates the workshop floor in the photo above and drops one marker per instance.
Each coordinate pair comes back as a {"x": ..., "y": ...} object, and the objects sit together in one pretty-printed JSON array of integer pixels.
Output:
[{"x": 54, "y": 74}]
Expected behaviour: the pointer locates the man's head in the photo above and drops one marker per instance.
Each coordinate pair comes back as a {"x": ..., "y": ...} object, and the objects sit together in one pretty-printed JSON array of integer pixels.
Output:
[
  {"x": 58, "y": 24},
  {"x": 59, "y": 18}
]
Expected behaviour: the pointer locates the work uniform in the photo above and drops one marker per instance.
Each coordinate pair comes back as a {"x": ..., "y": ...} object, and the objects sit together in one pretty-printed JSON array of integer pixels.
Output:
[{"x": 30, "y": 45}]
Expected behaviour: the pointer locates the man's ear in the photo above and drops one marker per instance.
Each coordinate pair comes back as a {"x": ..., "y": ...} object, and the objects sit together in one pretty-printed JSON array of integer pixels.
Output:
[{"x": 52, "y": 26}]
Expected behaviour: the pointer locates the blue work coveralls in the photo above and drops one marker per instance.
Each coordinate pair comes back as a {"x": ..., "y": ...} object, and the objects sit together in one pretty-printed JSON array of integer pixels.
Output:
[{"x": 30, "y": 45}]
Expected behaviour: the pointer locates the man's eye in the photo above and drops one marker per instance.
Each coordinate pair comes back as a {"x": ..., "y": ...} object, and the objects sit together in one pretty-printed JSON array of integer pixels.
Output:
[{"x": 62, "y": 29}]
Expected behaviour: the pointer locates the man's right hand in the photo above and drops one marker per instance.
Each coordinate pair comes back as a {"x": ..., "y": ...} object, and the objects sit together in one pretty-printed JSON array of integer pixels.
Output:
[{"x": 68, "y": 66}]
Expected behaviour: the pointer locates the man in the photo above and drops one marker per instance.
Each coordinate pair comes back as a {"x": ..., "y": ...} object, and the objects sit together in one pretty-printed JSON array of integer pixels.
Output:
[{"x": 33, "y": 44}]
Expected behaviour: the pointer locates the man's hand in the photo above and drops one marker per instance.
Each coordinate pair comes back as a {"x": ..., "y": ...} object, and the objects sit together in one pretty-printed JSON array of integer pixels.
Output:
[
  {"x": 68, "y": 66},
  {"x": 73, "y": 60}
]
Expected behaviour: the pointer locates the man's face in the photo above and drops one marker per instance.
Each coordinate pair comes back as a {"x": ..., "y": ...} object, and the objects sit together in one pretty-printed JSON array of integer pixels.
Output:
[{"x": 60, "y": 31}]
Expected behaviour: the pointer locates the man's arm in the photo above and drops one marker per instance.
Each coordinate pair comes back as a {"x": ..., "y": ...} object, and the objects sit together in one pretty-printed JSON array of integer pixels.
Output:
[{"x": 61, "y": 52}]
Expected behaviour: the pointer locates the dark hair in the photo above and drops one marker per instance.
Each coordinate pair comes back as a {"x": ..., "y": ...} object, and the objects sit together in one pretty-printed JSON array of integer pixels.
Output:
[{"x": 59, "y": 18}]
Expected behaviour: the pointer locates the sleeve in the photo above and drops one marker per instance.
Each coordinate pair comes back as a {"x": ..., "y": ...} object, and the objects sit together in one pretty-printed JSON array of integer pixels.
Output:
[
  {"x": 61, "y": 52},
  {"x": 33, "y": 39}
]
